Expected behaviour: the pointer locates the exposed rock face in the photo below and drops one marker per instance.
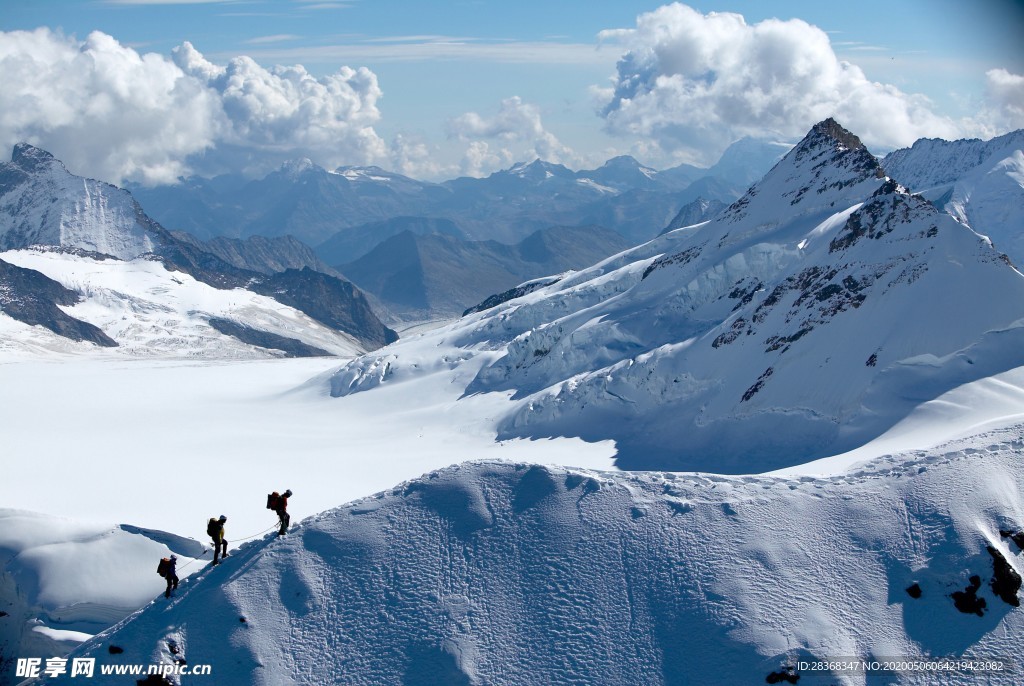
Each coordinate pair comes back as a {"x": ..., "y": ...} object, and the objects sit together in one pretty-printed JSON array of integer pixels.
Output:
[
  {"x": 263, "y": 339},
  {"x": 33, "y": 298},
  {"x": 261, "y": 253}
]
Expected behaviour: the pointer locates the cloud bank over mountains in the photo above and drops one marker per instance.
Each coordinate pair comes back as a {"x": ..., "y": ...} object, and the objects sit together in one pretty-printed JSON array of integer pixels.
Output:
[
  {"x": 516, "y": 127},
  {"x": 687, "y": 78},
  {"x": 687, "y": 84},
  {"x": 118, "y": 115}
]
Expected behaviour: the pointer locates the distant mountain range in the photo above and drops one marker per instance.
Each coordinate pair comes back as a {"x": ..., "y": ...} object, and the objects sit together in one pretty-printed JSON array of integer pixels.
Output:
[{"x": 322, "y": 207}]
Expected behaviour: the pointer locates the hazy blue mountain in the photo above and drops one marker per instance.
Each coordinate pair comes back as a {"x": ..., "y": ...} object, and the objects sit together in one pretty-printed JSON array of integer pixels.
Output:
[
  {"x": 315, "y": 205},
  {"x": 260, "y": 253},
  {"x": 435, "y": 275},
  {"x": 354, "y": 242}
]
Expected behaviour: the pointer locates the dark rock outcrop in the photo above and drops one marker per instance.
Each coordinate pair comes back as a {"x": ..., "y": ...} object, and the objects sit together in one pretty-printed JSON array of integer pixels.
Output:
[
  {"x": 291, "y": 347},
  {"x": 33, "y": 298}
]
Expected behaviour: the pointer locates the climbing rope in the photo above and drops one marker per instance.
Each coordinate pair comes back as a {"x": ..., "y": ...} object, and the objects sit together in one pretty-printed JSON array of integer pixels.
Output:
[{"x": 207, "y": 550}]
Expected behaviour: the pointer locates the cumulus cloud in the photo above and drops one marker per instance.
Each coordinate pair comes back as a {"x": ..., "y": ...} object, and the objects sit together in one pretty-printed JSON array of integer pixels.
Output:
[
  {"x": 101, "y": 107},
  {"x": 285, "y": 112},
  {"x": 515, "y": 133},
  {"x": 114, "y": 114},
  {"x": 696, "y": 82},
  {"x": 1004, "y": 108}
]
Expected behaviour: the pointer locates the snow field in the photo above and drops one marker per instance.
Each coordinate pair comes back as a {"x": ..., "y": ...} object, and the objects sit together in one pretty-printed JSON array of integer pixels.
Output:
[{"x": 520, "y": 574}]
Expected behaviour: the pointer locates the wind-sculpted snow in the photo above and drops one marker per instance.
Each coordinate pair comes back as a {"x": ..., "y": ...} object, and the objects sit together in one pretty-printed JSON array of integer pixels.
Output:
[{"x": 498, "y": 573}]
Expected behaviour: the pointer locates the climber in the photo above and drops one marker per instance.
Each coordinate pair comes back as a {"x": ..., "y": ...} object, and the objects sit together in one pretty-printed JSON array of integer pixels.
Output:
[
  {"x": 167, "y": 570},
  {"x": 278, "y": 502},
  {"x": 215, "y": 529}
]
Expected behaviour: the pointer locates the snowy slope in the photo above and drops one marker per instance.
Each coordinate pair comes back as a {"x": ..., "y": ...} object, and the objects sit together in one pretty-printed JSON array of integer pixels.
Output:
[
  {"x": 496, "y": 573},
  {"x": 63, "y": 580},
  {"x": 807, "y": 319},
  {"x": 151, "y": 311},
  {"x": 981, "y": 183}
]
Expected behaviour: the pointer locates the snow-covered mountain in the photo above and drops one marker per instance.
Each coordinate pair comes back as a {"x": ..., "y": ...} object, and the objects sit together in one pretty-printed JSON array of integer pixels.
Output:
[
  {"x": 981, "y": 183},
  {"x": 41, "y": 203},
  {"x": 748, "y": 159},
  {"x": 805, "y": 320},
  {"x": 97, "y": 244},
  {"x": 700, "y": 210},
  {"x": 497, "y": 573}
]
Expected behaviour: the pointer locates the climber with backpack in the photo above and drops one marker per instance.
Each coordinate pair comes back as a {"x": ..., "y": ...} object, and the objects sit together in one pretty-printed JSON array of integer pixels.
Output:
[
  {"x": 278, "y": 502},
  {"x": 166, "y": 569},
  {"x": 215, "y": 529}
]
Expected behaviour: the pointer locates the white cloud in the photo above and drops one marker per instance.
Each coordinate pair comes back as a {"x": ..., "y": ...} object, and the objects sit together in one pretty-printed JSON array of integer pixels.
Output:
[
  {"x": 281, "y": 113},
  {"x": 696, "y": 82},
  {"x": 1004, "y": 107},
  {"x": 114, "y": 114},
  {"x": 101, "y": 107},
  {"x": 517, "y": 130}
]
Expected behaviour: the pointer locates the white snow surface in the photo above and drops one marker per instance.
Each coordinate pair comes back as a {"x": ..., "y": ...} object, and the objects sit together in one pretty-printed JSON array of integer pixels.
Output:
[
  {"x": 64, "y": 580},
  {"x": 151, "y": 311},
  {"x": 167, "y": 444},
  {"x": 497, "y": 573},
  {"x": 501, "y": 572}
]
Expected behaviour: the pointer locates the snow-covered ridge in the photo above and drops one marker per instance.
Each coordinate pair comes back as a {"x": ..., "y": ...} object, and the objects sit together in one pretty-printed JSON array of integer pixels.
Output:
[
  {"x": 807, "y": 319},
  {"x": 933, "y": 162},
  {"x": 980, "y": 183},
  {"x": 520, "y": 574}
]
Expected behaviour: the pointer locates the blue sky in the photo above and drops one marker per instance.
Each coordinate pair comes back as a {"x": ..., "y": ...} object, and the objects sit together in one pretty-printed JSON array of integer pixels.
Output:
[{"x": 470, "y": 86}]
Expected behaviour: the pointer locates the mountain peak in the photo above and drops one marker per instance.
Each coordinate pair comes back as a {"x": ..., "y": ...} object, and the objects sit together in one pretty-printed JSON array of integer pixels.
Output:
[
  {"x": 830, "y": 128},
  {"x": 539, "y": 170},
  {"x": 295, "y": 168},
  {"x": 28, "y": 156},
  {"x": 621, "y": 161}
]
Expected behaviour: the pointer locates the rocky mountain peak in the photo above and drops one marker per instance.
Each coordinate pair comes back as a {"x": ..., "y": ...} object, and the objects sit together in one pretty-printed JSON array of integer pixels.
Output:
[
  {"x": 29, "y": 157},
  {"x": 830, "y": 129}
]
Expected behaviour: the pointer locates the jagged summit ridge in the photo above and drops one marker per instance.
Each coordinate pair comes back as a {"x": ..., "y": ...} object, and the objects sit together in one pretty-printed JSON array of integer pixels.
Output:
[
  {"x": 830, "y": 128},
  {"x": 798, "y": 324},
  {"x": 28, "y": 156}
]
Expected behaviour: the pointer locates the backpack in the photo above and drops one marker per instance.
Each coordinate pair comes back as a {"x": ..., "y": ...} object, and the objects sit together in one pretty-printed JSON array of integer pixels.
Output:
[
  {"x": 164, "y": 568},
  {"x": 213, "y": 528},
  {"x": 273, "y": 500}
]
